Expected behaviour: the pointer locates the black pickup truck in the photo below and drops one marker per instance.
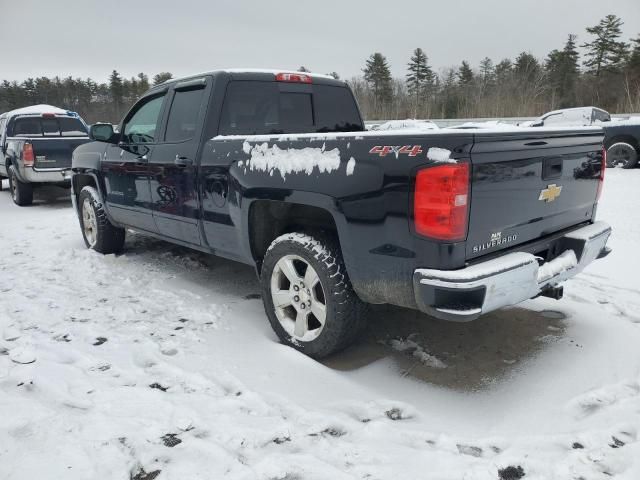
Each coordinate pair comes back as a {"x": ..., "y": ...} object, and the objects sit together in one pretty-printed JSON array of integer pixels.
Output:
[
  {"x": 621, "y": 137},
  {"x": 36, "y": 144},
  {"x": 276, "y": 170}
]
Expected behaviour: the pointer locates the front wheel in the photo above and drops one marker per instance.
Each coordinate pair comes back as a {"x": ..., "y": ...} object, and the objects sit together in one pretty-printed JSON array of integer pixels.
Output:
[
  {"x": 307, "y": 294},
  {"x": 98, "y": 232},
  {"x": 21, "y": 193},
  {"x": 622, "y": 154}
]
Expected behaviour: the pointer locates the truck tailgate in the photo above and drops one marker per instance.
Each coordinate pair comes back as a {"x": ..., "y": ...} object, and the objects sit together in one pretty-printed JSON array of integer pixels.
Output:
[
  {"x": 526, "y": 185},
  {"x": 55, "y": 152}
]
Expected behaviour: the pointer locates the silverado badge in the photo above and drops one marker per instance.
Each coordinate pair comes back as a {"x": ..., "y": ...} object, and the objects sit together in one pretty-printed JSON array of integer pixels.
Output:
[
  {"x": 550, "y": 193},
  {"x": 495, "y": 240}
]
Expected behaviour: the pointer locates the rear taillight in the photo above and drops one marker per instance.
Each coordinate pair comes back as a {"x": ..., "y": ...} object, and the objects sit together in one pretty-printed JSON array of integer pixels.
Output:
[
  {"x": 293, "y": 77},
  {"x": 441, "y": 202},
  {"x": 27, "y": 155},
  {"x": 602, "y": 170}
]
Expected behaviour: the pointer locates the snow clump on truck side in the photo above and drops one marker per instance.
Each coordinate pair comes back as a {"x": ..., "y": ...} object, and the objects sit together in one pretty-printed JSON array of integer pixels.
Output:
[
  {"x": 441, "y": 155},
  {"x": 269, "y": 159}
]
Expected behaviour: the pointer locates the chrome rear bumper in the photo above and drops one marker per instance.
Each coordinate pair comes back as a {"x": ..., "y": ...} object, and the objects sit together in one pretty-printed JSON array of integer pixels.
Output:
[{"x": 465, "y": 294}]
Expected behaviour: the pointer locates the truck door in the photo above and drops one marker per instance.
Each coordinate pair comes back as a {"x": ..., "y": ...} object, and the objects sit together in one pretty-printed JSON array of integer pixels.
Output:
[
  {"x": 125, "y": 166},
  {"x": 173, "y": 169}
]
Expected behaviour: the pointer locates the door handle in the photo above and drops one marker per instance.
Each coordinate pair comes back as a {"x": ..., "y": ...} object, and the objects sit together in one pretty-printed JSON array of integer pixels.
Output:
[{"x": 183, "y": 161}]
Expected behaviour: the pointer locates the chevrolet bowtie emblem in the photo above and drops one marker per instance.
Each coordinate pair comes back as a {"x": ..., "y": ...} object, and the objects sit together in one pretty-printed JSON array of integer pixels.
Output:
[{"x": 550, "y": 193}]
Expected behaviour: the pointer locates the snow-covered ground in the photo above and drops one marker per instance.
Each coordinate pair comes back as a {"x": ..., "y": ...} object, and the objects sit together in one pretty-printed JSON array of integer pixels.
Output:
[{"x": 160, "y": 363}]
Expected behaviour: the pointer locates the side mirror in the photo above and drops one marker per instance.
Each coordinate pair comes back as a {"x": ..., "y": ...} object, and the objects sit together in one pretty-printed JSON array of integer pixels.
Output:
[
  {"x": 101, "y": 132},
  {"x": 539, "y": 123}
]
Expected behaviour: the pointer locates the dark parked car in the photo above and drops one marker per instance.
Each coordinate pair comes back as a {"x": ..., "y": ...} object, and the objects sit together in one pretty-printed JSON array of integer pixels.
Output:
[
  {"x": 621, "y": 137},
  {"x": 36, "y": 144},
  {"x": 275, "y": 170}
]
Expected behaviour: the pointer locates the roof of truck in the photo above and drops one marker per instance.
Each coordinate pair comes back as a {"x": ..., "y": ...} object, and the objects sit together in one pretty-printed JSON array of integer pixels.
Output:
[
  {"x": 251, "y": 71},
  {"x": 38, "y": 110}
]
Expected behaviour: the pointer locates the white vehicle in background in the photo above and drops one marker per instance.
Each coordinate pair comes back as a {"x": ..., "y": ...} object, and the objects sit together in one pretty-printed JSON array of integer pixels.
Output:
[
  {"x": 408, "y": 124},
  {"x": 571, "y": 117}
]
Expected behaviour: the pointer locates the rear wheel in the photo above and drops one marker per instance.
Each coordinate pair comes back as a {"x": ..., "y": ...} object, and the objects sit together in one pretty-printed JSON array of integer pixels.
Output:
[
  {"x": 98, "y": 232},
  {"x": 21, "y": 193},
  {"x": 622, "y": 154},
  {"x": 307, "y": 294}
]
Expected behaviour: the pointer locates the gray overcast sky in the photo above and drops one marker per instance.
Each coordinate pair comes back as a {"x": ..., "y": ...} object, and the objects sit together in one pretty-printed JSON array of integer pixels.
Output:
[{"x": 91, "y": 38}]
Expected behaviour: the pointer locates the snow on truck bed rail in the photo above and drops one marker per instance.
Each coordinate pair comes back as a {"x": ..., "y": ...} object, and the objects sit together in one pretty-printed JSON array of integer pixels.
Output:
[{"x": 398, "y": 133}]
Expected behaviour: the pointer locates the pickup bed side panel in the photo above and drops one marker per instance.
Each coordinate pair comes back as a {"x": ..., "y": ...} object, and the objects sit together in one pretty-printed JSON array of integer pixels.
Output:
[{"x": 369, "y": 196}]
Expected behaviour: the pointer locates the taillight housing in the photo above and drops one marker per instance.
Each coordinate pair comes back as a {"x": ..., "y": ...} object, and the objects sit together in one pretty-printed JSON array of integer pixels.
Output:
[
  {"x": 27, "y": 155},
  {"x": 441, "y": 202},
  {"x": 602, "y": 170}
]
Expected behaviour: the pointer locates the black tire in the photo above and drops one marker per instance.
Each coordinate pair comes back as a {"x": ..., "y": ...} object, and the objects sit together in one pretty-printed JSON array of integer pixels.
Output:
[
  {"x": 623, "y": 154},
  {"x": 108, "y": 238},
  {"x": 21, "y": 193},
  {"x": 344, "y": 310}
]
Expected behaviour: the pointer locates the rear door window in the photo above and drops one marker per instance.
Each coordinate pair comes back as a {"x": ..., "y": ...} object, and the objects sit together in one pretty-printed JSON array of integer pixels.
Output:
[
  {"x": 183, "y": 116},
  {"x": 336, "y": 110}
]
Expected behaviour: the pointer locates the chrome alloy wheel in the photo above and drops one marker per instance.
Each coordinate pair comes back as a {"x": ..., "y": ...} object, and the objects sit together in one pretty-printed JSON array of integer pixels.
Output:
[
  {"x": 298, "y": 298},
  {"x": 89, "y": 222}
]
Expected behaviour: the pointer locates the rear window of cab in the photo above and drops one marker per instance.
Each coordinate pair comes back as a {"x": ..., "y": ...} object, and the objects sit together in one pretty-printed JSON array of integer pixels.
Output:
[
  {"x": 48, "y": 127},
  {"x": 259, "y": 108}
]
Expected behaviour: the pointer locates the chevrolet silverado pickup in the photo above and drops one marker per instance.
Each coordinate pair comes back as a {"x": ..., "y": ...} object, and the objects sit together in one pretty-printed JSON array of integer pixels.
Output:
[
  {"x": 275, "y": 169},
  {"x": 36, "y": 144}
]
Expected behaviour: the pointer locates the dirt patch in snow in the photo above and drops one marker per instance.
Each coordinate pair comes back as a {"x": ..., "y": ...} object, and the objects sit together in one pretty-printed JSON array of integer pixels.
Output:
[{"x": 461, "y": 356}]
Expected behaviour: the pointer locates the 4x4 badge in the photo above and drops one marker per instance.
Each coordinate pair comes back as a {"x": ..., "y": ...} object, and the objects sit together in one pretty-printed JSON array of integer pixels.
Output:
[{"x": 550, "y": 193}]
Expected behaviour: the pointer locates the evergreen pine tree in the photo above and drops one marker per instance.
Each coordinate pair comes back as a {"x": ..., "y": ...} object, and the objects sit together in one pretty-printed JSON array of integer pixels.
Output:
[
  {"x": 633, "y": 63},
  {"x": 378, "y": 75},
  {"x": 420, "y": 80},
  {"x": 605, "y": 52},
  {"x": 487, "y": 71},
  {"x": 504, "y": 71},
  {"x": 563, "y": 72},
  {"x": 465, "y": 74},
  {"x": 526, "y": 67},
  {"x": 161, "y": 78},
  {"x": 116, "y": 90},
  {"x": 143, "y": 83}
]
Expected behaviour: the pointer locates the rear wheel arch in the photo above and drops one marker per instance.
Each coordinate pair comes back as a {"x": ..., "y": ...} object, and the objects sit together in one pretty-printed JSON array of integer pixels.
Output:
[
  {"x": 630, "y": 139},
  {"x": 268, "y": 219}
]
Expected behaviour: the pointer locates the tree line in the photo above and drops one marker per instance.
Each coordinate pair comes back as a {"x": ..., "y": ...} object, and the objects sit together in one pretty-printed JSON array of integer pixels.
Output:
[
  {"x": 95, "y": 102},
  {"x": 606, "y": 75}
]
